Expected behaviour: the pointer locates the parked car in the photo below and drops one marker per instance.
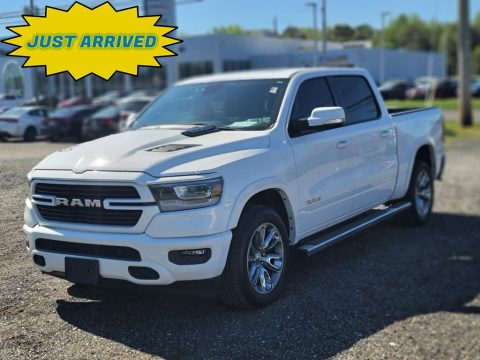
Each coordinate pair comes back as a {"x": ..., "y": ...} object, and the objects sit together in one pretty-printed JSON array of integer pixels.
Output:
[
  {"x": 475, "y": 88},
  {"x": 143, "y": 93},
  {"x": 421, "y": 88},
  {"x": 444, "y": 88},
  {"x": 67, "y": 122},
  {"x": 223, "y": 175},
  {"x": 108, "y": 98},
  {"x": 8, "y": 101},
  {"x": 24, "y": 121},
  {"x": 128, "y": 116},
  {"x": 395, "y": 89},
  {"x": 113, "y": 118},
  {"x": 42, "y": 100},
  {"x": 74, "y": 101}
]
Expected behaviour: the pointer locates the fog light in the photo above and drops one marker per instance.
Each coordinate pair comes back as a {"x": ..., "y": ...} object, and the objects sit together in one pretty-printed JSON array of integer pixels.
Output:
[
  {"x": 39, "y": 260},
  {"x": 190, "y": 256}
]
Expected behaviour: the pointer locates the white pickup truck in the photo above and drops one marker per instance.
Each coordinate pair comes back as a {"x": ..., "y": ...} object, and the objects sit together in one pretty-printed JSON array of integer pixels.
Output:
[{"x": 222, "y": 176}]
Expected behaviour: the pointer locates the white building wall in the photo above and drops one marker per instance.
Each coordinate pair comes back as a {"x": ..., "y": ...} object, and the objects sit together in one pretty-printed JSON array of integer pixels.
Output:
[{"x": 398, "y": 63}]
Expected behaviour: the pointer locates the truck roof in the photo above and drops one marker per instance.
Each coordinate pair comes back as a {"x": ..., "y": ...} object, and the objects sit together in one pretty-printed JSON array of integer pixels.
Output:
[{"x": 279, "y": 73}]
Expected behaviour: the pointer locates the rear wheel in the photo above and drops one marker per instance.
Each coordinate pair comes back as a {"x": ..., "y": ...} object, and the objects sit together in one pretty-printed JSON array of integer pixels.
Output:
[
  {"x": 256, "y": 264},
  {"x": 30, "y": 134},
  {"x": 420, "y": 194}
]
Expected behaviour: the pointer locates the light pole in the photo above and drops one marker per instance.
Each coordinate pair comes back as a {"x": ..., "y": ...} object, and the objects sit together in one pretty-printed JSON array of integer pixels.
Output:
[
  {"x": 33, "y": 70},
  {"x": 464, "y": 63},
  {"x": 313, "y": 5},
  {"x": 324, "y": 31},
  {"x": 384, "y": 15}
]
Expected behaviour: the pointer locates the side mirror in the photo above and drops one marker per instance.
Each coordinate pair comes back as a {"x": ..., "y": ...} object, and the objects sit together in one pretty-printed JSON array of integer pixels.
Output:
[{"x": 326, "y": 116}]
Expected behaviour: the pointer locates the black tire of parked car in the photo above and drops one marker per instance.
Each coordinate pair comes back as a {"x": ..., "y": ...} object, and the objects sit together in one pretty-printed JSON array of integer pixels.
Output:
[
  {"x": 235, "y": 287},
  {"x": 30, "y": 134},
  {"x": 418, "y": 215}
]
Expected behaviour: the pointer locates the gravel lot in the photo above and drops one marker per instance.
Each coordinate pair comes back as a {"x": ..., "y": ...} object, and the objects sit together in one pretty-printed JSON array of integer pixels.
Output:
[{"x": 391, "y": 292}]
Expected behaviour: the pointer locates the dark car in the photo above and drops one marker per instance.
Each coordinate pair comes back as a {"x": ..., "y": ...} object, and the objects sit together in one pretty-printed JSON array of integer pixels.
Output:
[
  {"x": 67, "y": 122},
  {"x": 446, "y": 88},
  {"x": 107, "y": 120},
  {"x": 395, "y": 89},
  {"x": 74, "y": 101}
]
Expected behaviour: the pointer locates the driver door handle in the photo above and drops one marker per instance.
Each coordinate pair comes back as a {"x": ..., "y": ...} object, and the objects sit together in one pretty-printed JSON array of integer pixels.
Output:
[{"x": 385, "y": 133}]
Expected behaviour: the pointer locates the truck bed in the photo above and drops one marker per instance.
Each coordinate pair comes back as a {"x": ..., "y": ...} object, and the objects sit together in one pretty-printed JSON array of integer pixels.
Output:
[{"x": 396, "y": 111}]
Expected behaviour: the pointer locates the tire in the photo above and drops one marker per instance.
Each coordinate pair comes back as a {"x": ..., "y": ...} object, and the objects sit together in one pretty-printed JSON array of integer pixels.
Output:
[
  {"x": 30, "y": 134},
  {"x": 237, "y": 287},
  {"x": 420, "y": 194}
]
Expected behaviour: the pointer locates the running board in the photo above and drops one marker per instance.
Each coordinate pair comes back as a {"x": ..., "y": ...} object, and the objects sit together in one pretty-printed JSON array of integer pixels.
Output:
[{"x": 326, "y": 238}]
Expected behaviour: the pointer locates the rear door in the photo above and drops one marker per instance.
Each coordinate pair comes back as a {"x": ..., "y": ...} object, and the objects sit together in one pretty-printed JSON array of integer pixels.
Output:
[
  {"x": 373, "y": 165},
  {"x": 323, "y": 161},
  {"x": 36, "y": 118}
]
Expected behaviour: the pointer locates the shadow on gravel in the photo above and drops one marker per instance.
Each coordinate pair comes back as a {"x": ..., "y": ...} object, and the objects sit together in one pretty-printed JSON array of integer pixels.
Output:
[{"x": 332, "y": 300}]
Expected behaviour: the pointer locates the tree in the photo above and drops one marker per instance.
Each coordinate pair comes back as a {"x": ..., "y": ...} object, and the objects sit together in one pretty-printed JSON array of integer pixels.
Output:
[
  {"x": 230, "y": 29},
  {"x": 300, "y": 33},
  {"x": 408, "y": 32},
  {"x": 363, "y": 32},
  {"x": 341, "y": 32}
]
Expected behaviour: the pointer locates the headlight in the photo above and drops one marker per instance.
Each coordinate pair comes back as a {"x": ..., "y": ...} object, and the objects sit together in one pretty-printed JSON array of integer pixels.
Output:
[{"x": 188, "y": 195}]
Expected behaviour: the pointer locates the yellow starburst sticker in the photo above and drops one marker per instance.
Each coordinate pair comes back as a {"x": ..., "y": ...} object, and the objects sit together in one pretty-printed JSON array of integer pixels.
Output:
[{"x": 83, "y": 40}]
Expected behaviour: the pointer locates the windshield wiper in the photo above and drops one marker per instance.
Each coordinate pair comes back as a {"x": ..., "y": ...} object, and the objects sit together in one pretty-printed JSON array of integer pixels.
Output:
[{"x": 205, "y": 129}]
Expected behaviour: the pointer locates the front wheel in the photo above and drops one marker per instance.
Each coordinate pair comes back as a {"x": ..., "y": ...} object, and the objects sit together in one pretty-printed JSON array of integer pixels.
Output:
[
  {"x": 420, "y": 194},
  {"x": 256, "y": 264},
  {"x": 30, "y": 134}
]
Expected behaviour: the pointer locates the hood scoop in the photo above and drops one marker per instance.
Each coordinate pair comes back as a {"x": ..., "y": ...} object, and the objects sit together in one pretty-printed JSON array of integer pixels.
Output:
[{"x": 172, "y": 147}]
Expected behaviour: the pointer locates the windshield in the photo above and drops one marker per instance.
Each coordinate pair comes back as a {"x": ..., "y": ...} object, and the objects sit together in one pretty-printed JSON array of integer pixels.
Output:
[
  {"x": 108, "y": 112},
  {"x": 14, "y": 112},
  {"x": 66, "y": 112},
  {"x": 239, "y": 105},
  {"x": 114, "y": 110}
]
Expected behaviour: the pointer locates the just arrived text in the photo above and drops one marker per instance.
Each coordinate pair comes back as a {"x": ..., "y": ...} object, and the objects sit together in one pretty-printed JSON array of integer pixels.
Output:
[{"x": 93, "y": 41}]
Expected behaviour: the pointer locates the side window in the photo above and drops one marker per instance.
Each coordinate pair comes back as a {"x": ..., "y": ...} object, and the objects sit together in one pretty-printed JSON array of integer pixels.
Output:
[
  {"x": 33, "y": 113},
  {"x": 356, "y": 97},
  {"x": 311, "y": 94}
]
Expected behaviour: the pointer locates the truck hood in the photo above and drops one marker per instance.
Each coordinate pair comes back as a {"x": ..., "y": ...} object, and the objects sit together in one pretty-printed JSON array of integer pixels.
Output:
[{"x": 151, "y": 151}]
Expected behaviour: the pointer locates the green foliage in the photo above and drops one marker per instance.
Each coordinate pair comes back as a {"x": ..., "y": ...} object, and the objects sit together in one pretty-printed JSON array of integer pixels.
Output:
[
  {"x": 363, "y": 32},
  {"x": 300, "y": 33},
  {"x": 402, "y": 32},
  {"x": 341, "y": 32},
  {"x": 230, "y": 29}
]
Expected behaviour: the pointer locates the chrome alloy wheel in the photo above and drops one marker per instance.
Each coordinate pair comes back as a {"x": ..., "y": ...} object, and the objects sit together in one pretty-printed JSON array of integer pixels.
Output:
[
  {"x": 423, "y": 193},
  {"x": 265, "y": 258}
]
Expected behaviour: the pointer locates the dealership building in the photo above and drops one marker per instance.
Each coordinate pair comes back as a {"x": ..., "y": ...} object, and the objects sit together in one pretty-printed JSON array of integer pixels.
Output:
[{"x": 216, "y": 53}]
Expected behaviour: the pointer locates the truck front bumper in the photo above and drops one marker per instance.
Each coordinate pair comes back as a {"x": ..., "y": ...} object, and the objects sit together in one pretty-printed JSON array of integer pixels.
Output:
[{"x": 154, "y": 254}]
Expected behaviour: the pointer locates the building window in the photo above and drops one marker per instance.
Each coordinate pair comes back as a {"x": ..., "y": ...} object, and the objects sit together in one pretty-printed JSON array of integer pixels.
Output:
[
  {"x": 235, "y": 65},
  {"x": 12, "y": 79},
  {"x": 150, "y": 78},
  {"x": 189, "y": 69}
]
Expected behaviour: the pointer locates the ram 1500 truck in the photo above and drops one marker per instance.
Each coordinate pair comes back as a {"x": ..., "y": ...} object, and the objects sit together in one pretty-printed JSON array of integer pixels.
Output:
[{"x": 223, "y": 175}]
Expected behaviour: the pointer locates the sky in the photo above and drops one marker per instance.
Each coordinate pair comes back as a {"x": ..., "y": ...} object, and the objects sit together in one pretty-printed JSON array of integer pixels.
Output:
[{"x": 200, "y": 18}]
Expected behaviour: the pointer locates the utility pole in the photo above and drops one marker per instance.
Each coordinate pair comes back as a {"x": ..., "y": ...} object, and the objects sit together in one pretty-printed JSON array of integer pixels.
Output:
[
  {"x": 275, "y": 26},
  {"x": 313, "y": 5},
  {"x": 324, "y": 31},
  {"x": 384, "y": 15},
  {"x": 464, "y": 64}
]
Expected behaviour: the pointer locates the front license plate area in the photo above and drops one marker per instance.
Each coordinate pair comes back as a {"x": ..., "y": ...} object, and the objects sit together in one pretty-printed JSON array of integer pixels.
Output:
[{"x": 82, "y": 271}]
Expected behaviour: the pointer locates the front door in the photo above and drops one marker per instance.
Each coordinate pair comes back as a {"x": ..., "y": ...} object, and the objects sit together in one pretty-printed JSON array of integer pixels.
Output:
[{"x": 323, "y": 161}]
